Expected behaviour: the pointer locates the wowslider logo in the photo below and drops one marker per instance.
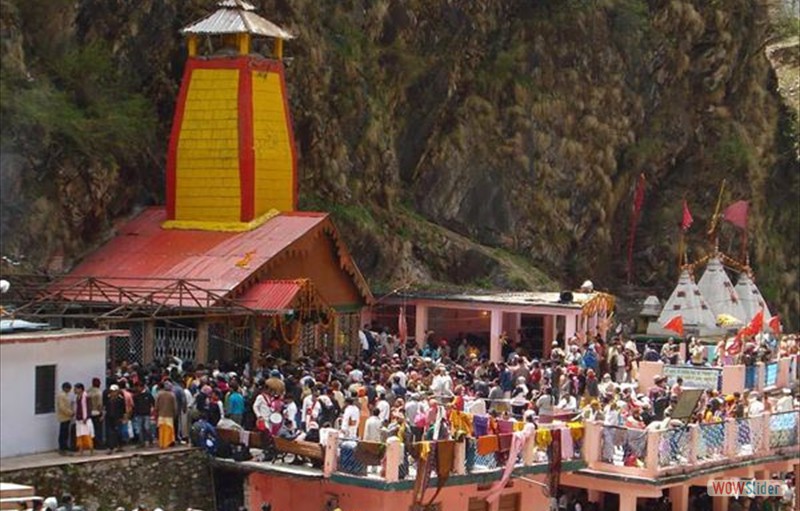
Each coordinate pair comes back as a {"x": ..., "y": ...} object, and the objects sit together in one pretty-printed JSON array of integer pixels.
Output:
[{"x": 752, "y": 488}]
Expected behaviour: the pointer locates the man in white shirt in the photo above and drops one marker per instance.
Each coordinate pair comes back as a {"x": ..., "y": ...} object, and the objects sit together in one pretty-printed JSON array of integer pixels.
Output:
[
  {"x": 756, "y": 407},
  {"x": 308, "y": 407},
  {"x": 402, "y": 375},
  {"x": 383, "y": 408},
  {"x": 412, "y": 407},
  {"x": 350, "y": 419},
  {"x": 356, "y": 376},
  {"x": 785, "y": 402},
  {"x": 568, "y": 402},
  {"x": 442, "y": 384},
  {"x": 372, "y": 428},
  {"x": 362, "y": 338}
]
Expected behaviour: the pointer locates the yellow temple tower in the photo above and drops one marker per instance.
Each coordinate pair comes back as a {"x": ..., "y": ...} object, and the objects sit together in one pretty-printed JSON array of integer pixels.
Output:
[{"x": 231, "y": 162}]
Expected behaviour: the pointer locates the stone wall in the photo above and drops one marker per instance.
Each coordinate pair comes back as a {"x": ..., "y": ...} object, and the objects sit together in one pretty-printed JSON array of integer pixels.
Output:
[{"x": 173, "y": 480}]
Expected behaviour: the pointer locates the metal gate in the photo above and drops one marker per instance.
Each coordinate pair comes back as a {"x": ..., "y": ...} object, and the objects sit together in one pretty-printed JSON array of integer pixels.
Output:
[
  {"x": 130, "y": 348},
  {"x": 175, "y": 341}
]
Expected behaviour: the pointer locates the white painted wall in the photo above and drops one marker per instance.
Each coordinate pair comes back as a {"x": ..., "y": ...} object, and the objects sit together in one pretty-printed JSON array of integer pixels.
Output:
[{"x": 77, "y": 359}]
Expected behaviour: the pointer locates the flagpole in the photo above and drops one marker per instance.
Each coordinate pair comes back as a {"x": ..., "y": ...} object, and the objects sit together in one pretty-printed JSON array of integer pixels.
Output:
[{"x": 712, "y": 231}]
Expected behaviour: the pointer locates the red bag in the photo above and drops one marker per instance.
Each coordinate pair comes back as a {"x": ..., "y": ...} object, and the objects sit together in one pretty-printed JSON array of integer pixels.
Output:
[{"x": 261, "y": 424}]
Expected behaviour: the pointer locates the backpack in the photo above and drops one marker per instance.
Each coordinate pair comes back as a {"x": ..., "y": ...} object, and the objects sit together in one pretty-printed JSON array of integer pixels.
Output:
[{"x": 328, "y": 412}]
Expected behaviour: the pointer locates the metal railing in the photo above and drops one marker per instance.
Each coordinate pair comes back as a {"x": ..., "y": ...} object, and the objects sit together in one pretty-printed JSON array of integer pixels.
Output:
[
  {"x": 783, "y": 427},
  {"x": 623, "y": 446},
  {"x": 680, "y": 449},
  {"x": 360, "y": 458},
  {"x": 673, "y": 447}
]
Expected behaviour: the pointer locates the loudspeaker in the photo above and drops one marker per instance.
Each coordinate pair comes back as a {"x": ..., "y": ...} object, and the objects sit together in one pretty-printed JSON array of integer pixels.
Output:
[{"x": 565, "y": 297}]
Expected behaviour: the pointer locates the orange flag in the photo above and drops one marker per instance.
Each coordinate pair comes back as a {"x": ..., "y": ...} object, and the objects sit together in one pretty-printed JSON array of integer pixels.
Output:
[
  {"x": 675, "y": 324},
  {"x": 757, "y": 323},
  {"x": 775, "y": 324}
]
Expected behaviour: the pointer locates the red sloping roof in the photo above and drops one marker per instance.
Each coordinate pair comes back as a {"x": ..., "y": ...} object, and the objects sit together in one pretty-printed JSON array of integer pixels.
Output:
[
  {"x": 271, "y": 295},
  {"x": 145, "y": 256}
]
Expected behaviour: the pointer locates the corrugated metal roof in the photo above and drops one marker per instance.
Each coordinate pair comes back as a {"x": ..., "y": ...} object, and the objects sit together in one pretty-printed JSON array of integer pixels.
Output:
[
  {"x": 241, "y": 4},
  {"x": 228, "y": 20},
  {"x": 271, "y": 295},
  {"x": 143, "y": 255}
]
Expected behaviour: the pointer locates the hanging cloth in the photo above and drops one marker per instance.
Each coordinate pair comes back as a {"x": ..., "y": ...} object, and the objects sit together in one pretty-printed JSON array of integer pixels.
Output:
[
  {"x": 505, "y": 427},
  {"x": 575, "y": 430},
  {"x": 445, "y": 458},
  {"x": 480, "y": 425},
  {"x": 517, "y": 442},
  {"x": 543, "y": 438},
  {"x": 487, "y": 445}
]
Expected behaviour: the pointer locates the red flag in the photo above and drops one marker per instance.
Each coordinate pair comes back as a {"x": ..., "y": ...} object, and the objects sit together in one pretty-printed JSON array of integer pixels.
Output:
[
  {"x": 736, "y": 214},
  {"x": 402, "y": 326},
  {"x": 734, "y": 346},
  {"x": 687, "y": 217},
  {"x": 757, "y": 323},
  {"x": 775, "y": 324},
  {"x": 675, "y": 324},
  {"x": 754, "y": 327}
]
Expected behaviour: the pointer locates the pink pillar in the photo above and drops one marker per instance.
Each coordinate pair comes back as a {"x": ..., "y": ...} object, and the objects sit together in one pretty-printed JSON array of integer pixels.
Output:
[
  {"x": 570, "y": 327},
  {"x": 421, "y": 324},
  {"x": 679, "y": 496},
  {"x": 495, "y": 329},
  {"x": 627, "y": 502},
  {"x": 593, "y": 321},
  {"x": 549, "y": 334}
]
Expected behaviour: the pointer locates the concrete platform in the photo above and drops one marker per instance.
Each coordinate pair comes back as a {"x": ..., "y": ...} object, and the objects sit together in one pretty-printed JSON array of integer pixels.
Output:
[{"x": 53, "y": 458}]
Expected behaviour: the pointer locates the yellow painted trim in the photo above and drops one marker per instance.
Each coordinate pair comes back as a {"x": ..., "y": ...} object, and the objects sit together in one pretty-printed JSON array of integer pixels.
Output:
[
  {"x": 192, "y": 45},
  {"x": 201, "y": 225},
  {"x": 244, "y": 44}
]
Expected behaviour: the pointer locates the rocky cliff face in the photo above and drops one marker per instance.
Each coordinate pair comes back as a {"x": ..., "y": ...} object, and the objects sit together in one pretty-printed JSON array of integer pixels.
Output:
[{"x": 481, "y": 143}]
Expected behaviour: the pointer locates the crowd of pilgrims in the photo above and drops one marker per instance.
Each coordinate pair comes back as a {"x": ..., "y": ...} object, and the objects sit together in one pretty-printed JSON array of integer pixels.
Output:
[{"x": 401, "y": 389}]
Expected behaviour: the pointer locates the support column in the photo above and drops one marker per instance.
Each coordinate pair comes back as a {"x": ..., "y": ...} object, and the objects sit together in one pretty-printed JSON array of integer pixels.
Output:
[
  {"x": 570, "y": 327},
  {"x": 549, "y": 323},
  {"x": 627, "y": 502},
  {"x": 679, "y": 496},
  {"x": 512, "y": 322},
  {"x": 720, "y": 503},
  {"x": 201, "y": 353},
  {"x": 255, "y": 344},
  {"x": 495, "y": 329},
  {"x": 420, "y": 324},
  {"x": 148, "y": 341}
]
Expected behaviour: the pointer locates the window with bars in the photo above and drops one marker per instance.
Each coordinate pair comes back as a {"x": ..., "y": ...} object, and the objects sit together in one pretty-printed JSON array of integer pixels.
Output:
[{"x": 45, "y": 389}]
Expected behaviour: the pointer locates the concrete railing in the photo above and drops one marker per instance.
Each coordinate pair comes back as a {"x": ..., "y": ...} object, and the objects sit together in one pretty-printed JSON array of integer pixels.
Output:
[
  {"x": 768, "y": 376},
  {"x": 684, "y": 449},
  {"x": 396, "y": 464}
]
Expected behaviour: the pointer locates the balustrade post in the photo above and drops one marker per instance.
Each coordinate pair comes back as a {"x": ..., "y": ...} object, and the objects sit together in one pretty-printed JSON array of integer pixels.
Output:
[
  {"x": 460, "y": 460},
  {"x": 653, "y": 446},
  {"x": 763, "y": 448},
  {"x": 394, "y": 453},
  {"x": 761, "y": 372},
  {"x": 694, "y": 442},
  {"x": 730, "y": 442},
  {"x": 331, "y": 454},
  {"x": 591, "y": 443}
]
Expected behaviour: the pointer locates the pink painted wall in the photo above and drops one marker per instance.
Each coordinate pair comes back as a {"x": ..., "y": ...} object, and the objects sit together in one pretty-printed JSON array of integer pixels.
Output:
[
  {"x": 733, "y": 379},
  {"x": 647, "y": 373},
  {"x": 295, "y": 494}
]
